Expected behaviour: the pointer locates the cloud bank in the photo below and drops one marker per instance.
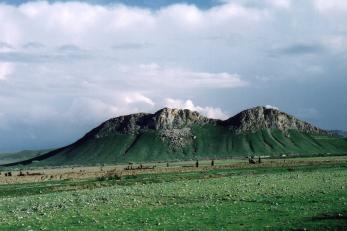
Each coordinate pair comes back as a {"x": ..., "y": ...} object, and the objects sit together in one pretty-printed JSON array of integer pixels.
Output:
[{"x": 67, "y": 66}]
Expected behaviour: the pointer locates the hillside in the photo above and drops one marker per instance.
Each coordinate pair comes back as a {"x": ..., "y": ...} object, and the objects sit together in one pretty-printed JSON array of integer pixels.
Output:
[
  {"x": 20, "y": 156},
  {"x": 174, "y": 134}
]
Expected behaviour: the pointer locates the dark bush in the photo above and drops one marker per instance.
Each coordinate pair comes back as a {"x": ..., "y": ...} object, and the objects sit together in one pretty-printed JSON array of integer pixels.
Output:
[
  {"x": 101, "y": 178},
  {"x": 115, "y": 177}
]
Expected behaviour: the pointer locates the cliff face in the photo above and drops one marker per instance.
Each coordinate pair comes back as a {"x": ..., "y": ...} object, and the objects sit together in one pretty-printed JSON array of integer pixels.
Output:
[
  {"x": 129, "y": 124},
  {"x": 176, "y": 119},
  {"x": 180, "y": 121},
  {"x": 257, "y": 118},
  {"x": 164, "y": 119}
]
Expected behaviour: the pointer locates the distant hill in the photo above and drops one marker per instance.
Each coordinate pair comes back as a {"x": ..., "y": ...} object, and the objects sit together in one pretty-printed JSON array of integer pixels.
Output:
[
  {"x": 6, "y": 158},
  {"x": 339, "y": 133},
  {"x": 175, "y": 134}
]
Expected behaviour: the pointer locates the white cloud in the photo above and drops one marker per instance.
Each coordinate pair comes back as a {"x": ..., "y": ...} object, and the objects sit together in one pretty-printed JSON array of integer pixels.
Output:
[
  {"x": 90, "y": 25},
  {"x": 6, "y": 69},
  {"x": 336, "y": 44},
  {"x": 89, "y": 109},
  {"x": 5, "y": 47},
  {"x": 233, "y": 11},
  {"x": 138, "y": 98},
  {"x": 285, "y": 4},
  {"x": 210, "y": 112},
  {"x": 182, "y": 78},
  {"x": 69, "y": 64},
  {"x": 271, "y": 107},
  {"x": 182, "y": 15},
  {"x": 330, "y": 5}
]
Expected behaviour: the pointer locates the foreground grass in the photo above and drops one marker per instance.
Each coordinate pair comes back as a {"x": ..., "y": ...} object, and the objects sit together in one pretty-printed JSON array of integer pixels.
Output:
[{"x": 311, "y": 197}]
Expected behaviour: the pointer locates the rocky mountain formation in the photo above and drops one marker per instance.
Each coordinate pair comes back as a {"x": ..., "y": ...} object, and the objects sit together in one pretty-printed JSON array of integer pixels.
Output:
[
  {"x": 178, "y": 134},
  {"x": 175, "y": 124}
]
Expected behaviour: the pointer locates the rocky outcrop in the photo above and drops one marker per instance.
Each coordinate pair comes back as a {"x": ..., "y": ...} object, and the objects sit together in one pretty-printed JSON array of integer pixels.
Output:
[
  {"x": 177, "y": 138},
  {"x": 164, "y": 119},
  {"x": 168, "y": 118},
  {"x": 129, "y": 124},
  {"x": 257, "y": 118},
  {"x": 173, "y": 124}
]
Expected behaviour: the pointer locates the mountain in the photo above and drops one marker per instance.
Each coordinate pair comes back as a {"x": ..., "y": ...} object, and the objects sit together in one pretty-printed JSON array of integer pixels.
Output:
[
  {"x": 258, "y": 118},
  {"x": 175, "y": 134}
]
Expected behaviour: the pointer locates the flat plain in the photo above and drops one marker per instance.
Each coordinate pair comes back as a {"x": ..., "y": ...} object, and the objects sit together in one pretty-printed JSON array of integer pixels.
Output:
[{"x": 282, "y": 194}]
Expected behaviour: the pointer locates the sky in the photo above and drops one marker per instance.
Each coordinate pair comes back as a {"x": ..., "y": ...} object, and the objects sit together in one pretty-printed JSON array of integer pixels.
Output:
[{"x": 66, "y": 66}]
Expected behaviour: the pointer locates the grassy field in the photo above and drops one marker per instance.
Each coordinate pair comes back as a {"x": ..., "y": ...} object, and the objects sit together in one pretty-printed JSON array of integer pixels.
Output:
[{"x": 302, "y": 197}]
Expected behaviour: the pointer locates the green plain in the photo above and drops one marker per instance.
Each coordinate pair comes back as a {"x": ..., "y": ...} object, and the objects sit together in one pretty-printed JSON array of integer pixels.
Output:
[{"x": 271, "y": 198}]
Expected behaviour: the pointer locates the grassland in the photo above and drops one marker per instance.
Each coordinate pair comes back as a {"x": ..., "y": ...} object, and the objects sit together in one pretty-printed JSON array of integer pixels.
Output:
[{"x": 263, "y": 197}]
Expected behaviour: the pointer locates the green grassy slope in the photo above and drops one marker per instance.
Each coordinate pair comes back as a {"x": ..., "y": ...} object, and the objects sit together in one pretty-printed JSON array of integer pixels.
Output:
[
  {"x": 210, "y": 142},
  {"x": 219, "y": 142}
]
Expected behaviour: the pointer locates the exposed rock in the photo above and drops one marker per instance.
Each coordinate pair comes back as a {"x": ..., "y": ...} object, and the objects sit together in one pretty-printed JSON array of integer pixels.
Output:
[
  {"x": 257, "y": 118},
  {"x": 164, "y": 119},
  {"x": 176, "y": 118},
  {"x": 178, "y": 138},
  {"x": 129, "y": 124},
  {"x": 174, "y": 123}
]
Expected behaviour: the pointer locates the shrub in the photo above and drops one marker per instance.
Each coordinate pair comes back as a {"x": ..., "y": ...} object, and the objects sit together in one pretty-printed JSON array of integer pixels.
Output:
[{"x": 101, "y": 178}]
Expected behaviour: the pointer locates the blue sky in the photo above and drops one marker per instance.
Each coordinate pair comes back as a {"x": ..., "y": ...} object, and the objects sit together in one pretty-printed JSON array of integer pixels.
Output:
[{"x": 66, "y": 66}]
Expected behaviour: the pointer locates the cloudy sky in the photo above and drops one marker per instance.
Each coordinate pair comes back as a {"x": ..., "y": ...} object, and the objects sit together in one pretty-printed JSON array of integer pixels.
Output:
[{"x": 66, "y": 66}]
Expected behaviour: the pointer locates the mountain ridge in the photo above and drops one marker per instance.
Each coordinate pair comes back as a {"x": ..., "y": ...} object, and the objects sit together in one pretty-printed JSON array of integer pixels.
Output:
[
  {"x": 249, "y": 120},
  {"x": 262, "y": 117},
  {"x": 177, "y": 134}
]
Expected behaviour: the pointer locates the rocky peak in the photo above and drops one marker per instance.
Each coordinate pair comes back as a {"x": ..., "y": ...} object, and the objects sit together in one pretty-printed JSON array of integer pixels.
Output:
[
  {"x": 168, "y": 118},
  {"x": 256, "y": 118},
  {"x": 164, "y": 119},
  {"x": 128, "y": 124}
]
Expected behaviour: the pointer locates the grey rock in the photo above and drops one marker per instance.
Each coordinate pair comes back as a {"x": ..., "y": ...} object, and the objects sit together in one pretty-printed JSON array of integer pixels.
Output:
[
  {"x": 254, "y": 119},
  {"x": 178, "y": 138},
  {"x": 164, "y": 119},
  {"x": 176, "y": 123},
  {"x": 168, "y": 118}
]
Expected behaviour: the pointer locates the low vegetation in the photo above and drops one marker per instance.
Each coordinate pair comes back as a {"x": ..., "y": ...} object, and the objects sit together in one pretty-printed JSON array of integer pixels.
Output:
[{"x": 255, "y": 198}]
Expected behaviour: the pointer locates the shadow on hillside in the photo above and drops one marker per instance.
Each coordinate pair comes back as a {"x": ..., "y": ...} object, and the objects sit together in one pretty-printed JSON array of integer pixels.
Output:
[{"x": 336, "y": 221}]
